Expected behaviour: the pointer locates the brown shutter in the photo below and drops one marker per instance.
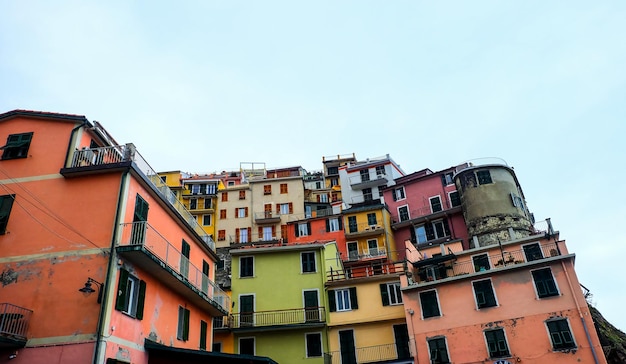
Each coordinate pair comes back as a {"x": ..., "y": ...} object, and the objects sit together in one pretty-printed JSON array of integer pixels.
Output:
[
  {"x": 237, "y": 235},
  {"x": 260, "y": 233},
  {"x": 246, "y": 211},
  {"x": 290, "y": 208}
]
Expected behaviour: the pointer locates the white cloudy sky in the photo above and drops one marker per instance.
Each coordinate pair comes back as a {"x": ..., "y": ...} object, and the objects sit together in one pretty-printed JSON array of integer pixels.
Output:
[{"x": 200, "y": 86}]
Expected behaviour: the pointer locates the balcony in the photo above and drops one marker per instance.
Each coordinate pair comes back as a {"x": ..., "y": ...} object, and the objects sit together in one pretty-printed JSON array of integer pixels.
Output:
[
  {"x": 371, "y": 354},
  {"x": 120, "y": 157},
  {"x": 14, "y": 322},
  {"x": 363, "y": 230},
  {"x": 365, "y": 271},
  {"x": 422, "y": 214},
  {"x": 145, "y": 246},
  {"x": 279, "y": 319},
  {"x": 371, "y": 253},
  {"x": 446, "y": 267},
  {"x": 266, "y": 217},
  {"x": 360, "y": 182}
]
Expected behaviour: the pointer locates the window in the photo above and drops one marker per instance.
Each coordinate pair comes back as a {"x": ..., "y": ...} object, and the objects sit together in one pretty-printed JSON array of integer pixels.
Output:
[
  {"x": 183, "y": 324},
  {"x": 455, "y": 199},
  {"x": 333, "y": 170},
  {"x": 267, "y": 189},
  {"x": 131, "y": 295},
  {"x": 532, "y": 252},
  {"x": 246, "y": 267},
  {"x": 224, "y": 196},
  {"x": 430, "y": 304},
  {"x": 481, "y": 262},
  {"x": 303, "y": 229},
  {"x": 322, "y": 198},
  {"x": 242, "y": 235},
  {"x": 184, "y": 258},
  {"x": 380, "y": 171},
  {"x": 352, "y": 226},
  {"x": 483, "y": 291},
  {"x": 365, "y": 175},
  {"x": 496, "y": 343},
  {"x": 435, "y": 204},
  {"x": 242, "y": 195},
  {"x": 17, "y": 146},
  {"x": 438, "y": 350},
  {"x": 367, "y": 194},
  {"x": 484, "y": 177},
  {"x": 446, "y": 179},
  {"x": 203, "y": 334},
  {"x": 371, "y": 219},
  {"x": 334, "y": 182},
  {"x": 286, "y": 208},
  {"x": 222, "y": 213},
  {"x": 313, "y": 345},
  {"x": 246, "y": 345},
  {"x": 267, "y": 232},
  {"x": 231, "y": 183},
  {"x": 334, "y": 196},
  {"x": 403, "y": 213},
  {"x": 195, "y": 189},
  {"x": 333, "y": 224},
  {"x": 216, "y": 348},
  {"x": 6, "y": 203},
  {"x": 435, "y": 230},
  {"x": 398, "y": 194},
  {"x": 308, "y": 262},
  {"x": 560, "y": 335},
  {"x": 342, "y": 299},
  {"x": 517, "y": 201},
  {"x": 221, "y": 235},
  {"x": 207, "y": 204},
  {"x": 283, "y": 188},
  {"x": 206, "y": 220},
  {"x": 390, "y": 294},
  {"x": 241, "y": 212},
  {"x": 544, "y": 283},
  {"x": 193, "y": 204}
]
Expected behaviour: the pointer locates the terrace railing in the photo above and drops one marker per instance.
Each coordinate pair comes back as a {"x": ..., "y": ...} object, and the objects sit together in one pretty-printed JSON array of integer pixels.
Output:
[
  {"x": 14, "y": 321},
  {"x": 369, "y": 354},
  {"x": 296, "y": 316},
  {"x": 143, "y": 234}
]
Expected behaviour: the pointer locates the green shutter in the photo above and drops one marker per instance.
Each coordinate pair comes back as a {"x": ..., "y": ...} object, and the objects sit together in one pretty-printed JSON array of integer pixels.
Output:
[
  {"x": 354, "y": 304},
  {"x": 186, "y": 325},
  {"x": 120, "y": 303},
  {"x": 327, "y": 225},
  {"x": 141, "y": 299},
  {"x": 203, "y": 332},
  {"x": 384, "y": 294},
  {"x": 331, "y": 301}
]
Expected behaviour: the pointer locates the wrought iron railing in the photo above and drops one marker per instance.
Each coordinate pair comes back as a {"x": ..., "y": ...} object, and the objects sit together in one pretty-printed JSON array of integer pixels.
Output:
[
  {"x": 14, "y": 321},
  {"x": 369, "y": 354},
  {"x": 124, "y": 153},
  {"x": 296, "y": 316},
  {"x": 363, "y": 227},
  {"x": 142, "y": 233}
]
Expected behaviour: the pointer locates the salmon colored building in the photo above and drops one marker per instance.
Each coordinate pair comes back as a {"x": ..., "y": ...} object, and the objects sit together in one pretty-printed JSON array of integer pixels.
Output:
[
  {"x": 512, "y": 297},
  {"x": 99, "y": 261}
]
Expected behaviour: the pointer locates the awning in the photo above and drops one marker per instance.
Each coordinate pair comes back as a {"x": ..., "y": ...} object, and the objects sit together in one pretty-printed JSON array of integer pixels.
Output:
[
  {"x": 162, "y": 354},
  {"x": 434, "y": 260}
]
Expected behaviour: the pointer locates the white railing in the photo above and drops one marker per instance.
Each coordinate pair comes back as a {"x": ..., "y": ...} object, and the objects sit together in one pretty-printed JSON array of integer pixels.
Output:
[
  {"x": 124, "y": 153},
  {"x": 141, "y": 233}
]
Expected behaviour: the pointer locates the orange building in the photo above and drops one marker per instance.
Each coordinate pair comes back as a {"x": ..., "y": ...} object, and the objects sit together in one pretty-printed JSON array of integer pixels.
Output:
[{"x": 99, "y": 261}]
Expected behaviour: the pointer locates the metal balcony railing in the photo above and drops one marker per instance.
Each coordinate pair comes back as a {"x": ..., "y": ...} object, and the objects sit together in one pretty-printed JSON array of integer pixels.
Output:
[
  {"x": 363, "y": 227},
  {"x": 143, "y": 234},
  {"x": 297, "y": 316},
  {"x": 125, "y": 153},
  {"x": 506, "y": 258},
  {"x": 14, "y": 321},
  {"x": 367, "y": 254},
  {"x": 369, "y": 354}
]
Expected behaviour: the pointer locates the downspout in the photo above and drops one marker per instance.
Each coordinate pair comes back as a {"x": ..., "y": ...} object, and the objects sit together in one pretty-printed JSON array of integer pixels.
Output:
[
  {"x": 582, "y": 318},
  {"x": 107, "y": 282},
  {"x": 71, "y": 140}
]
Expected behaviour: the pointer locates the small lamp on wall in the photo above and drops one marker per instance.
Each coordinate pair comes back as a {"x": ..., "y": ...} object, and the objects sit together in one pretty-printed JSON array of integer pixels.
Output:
[{"x": 87, "y": 290}]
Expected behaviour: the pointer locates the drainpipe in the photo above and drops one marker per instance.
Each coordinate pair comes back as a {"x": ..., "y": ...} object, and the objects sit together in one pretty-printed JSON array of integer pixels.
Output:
[
  {"x": 582, "y": 318},
  {"x": 107, "y": 282},
  {"x": 72, "y": 134}
]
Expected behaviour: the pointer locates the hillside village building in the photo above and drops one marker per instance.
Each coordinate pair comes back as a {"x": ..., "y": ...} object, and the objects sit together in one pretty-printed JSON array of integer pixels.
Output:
[{"x": 357, "y": 263}]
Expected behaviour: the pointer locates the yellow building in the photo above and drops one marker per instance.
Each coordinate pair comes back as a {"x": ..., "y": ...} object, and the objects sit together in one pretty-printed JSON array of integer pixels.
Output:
[{"x": 199, "y": 195}]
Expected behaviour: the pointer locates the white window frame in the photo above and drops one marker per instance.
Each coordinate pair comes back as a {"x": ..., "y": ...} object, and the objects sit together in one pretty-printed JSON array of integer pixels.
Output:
[
  {"x": 241, "y": 212},
  {"x": 495, "y": 296},
  {"x": 345, "y": 292},
  {"x": 400, "y": 190},
  {"x": 241, "y": 266},
  {"x": 333, "y": 224},
  {"x": 430, "y": 201},
  {"x": 408, "y": 213},
  {"x": 419, "y": 297},
  {"x": 132, "y": 296},
  {"x": 204, "y": 220},
  {"x": 369, "y": 248},
  {"x": 556, "y": 284},
  {"x": 450, "y": 198},
  {"x": 488, "y": 261},
  {"x": 306, "y": 345},
  {"x": 303, "y": 229},
  {"x": 392, "y": 292},
  {"x": 445, "y": 340},
  {"x": 352, "y": 243},
  {"x": 569, "y": 325},
  {"x": 302, "y": 262},
  {"x": 267, "y": 233},
  {"x": 243, "y": 235},
  {"x": 284, "y": 208},
  {"x": 506, "y": 339}
]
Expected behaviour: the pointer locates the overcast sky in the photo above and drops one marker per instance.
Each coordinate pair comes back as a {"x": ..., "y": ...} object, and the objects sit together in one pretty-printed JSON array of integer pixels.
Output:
[{"x": 201, "y": 86}]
